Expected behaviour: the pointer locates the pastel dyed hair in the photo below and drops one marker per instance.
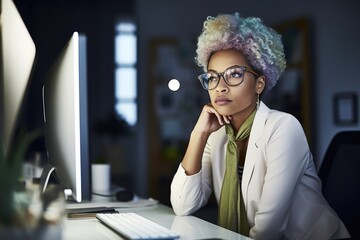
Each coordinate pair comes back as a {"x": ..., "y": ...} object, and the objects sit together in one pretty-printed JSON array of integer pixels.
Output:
[{"x": 260, "y": 44}]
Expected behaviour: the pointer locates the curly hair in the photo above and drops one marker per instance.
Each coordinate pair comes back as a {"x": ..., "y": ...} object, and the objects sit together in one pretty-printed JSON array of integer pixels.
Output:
[{"x": 260, "y": 44}]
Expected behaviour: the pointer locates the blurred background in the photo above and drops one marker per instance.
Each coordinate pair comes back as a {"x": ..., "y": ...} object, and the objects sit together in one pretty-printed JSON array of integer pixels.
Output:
[{"x": 136, "y": 47}]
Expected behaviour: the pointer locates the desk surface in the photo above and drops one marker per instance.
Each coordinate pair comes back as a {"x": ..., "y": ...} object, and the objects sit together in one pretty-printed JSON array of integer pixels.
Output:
[{"x": 189, "y": 227}]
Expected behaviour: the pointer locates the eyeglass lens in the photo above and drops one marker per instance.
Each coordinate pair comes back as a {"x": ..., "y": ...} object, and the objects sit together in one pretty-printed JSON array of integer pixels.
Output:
[{"x": 233, "y": 76}]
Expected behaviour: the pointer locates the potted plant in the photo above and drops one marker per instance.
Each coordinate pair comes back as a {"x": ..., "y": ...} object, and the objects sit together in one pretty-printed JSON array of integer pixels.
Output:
[{"x": 24, "y": 210}]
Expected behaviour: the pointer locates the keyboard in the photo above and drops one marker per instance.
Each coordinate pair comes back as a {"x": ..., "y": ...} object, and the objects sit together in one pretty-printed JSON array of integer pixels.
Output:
[{"x": 134, "y": 226}]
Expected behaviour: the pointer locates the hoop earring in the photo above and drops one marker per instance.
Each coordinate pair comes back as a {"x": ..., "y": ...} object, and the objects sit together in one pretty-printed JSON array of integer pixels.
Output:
[{"x": 258, "y": 101}]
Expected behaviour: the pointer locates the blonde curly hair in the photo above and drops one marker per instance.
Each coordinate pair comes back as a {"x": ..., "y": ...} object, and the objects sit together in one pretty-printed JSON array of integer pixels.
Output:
[{"x": 260, "y": 44}]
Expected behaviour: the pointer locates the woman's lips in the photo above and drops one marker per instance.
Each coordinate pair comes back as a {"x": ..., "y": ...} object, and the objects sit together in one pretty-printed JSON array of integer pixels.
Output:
[{"x": 222, "y": 101}]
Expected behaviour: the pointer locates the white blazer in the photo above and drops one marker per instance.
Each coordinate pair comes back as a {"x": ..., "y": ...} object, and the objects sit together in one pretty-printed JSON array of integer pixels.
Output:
[{"x": 280, "y": 186}]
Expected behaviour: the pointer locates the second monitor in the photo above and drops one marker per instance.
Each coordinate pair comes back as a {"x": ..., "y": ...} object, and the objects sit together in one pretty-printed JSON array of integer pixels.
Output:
[{"x": 66, "y": 121}]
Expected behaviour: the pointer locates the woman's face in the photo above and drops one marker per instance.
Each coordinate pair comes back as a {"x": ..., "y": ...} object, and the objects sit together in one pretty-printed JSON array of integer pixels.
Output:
[{"x": 237, "y": 100}]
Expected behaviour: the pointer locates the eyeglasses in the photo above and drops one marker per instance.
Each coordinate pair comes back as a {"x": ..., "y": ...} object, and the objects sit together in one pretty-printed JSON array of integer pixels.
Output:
[{"x": 233, "y": 76}]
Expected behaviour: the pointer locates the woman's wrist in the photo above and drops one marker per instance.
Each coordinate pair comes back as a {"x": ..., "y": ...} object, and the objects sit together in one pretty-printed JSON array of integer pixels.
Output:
[{"x": 201, "y": 135}]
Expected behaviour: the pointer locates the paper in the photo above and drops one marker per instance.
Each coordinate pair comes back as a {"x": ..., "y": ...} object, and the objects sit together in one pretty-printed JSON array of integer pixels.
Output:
[{"x": 131, "y": 204}]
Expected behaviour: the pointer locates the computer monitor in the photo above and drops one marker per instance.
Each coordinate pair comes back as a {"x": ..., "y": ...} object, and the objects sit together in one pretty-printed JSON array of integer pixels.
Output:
[
  {"x": 66, "y": 121},
  {"x": 17, "y": 54}
]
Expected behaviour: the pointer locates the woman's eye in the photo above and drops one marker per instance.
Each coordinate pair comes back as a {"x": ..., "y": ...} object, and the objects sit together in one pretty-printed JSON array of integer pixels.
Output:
[
  {"x": 236, "y": 75},
  {"x": 212, "y": 79}
]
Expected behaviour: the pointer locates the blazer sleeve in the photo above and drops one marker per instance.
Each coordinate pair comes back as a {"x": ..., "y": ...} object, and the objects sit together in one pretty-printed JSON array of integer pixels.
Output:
[
  {"x": 189, "y": 193},
  {"x": 286, "y": 155}
]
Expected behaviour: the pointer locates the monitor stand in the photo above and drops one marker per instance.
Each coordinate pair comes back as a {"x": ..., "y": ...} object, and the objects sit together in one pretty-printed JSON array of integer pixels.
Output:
[{"x": 45, "y": 178}]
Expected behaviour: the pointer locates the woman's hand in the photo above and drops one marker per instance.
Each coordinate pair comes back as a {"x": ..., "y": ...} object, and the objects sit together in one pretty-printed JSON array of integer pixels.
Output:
[{"x": 210, "y": 120}]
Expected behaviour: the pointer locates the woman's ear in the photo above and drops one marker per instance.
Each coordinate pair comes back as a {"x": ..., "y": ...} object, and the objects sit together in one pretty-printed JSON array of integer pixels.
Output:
[{"x": 260, "y": 84}]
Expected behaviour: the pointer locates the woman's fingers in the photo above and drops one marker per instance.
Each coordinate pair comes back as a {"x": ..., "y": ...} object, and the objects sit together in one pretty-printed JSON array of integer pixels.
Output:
[
  {"x": 221, "y": 119},
  {"x": 227, "y": 119}
]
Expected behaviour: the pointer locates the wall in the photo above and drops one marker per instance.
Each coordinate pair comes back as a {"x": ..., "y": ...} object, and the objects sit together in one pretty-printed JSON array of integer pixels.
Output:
[{"x": 335, "y": 34}]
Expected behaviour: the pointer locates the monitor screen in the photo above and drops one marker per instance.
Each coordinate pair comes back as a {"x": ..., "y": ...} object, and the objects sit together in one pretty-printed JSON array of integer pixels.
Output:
[
  {"x": 66, "y": 120},
  {"x": 17, "y": 54}
]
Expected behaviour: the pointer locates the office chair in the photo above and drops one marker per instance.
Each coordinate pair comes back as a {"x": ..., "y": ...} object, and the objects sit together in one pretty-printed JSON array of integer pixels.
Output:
[{"x": 340, "y": 176}]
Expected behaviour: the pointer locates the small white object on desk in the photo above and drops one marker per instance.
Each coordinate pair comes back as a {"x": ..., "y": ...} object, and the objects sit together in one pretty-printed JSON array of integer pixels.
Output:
[{"x": 100, "y": 177}]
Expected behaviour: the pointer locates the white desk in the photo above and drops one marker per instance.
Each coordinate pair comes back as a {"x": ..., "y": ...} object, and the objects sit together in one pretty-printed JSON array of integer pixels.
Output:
[{"x": 189, "y": 227}]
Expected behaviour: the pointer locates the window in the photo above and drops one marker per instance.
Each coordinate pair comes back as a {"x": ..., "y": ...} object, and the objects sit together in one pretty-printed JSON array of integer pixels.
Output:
[{"x": 126, "y": 71}]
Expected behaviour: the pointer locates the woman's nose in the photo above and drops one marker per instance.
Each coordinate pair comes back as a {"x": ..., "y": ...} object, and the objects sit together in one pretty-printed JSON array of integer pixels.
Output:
[{"x": 222, "y": 86}]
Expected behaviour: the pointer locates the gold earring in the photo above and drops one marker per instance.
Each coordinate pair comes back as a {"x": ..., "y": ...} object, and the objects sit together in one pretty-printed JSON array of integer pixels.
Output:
[{"x": 258, "y": 101}]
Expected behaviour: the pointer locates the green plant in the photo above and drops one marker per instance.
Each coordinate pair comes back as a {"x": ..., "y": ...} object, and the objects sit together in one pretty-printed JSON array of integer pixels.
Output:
[{"x": 11, "y": 163}]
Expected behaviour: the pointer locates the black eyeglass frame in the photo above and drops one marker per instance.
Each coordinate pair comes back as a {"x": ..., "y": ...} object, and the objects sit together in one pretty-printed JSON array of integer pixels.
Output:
[{"x": 244, "y": 68}]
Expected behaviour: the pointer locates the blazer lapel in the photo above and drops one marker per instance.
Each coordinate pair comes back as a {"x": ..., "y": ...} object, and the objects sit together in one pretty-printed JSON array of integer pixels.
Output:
[{"x": 252, "y": 149}]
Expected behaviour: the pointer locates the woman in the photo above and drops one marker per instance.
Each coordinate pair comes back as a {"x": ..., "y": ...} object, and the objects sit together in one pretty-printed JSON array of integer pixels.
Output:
[{"x": 256, "y": 160}]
